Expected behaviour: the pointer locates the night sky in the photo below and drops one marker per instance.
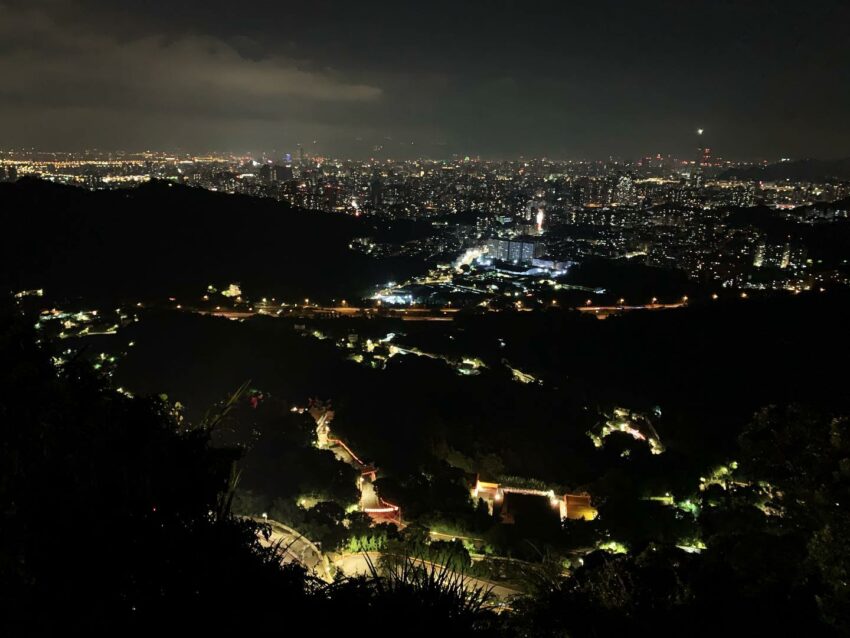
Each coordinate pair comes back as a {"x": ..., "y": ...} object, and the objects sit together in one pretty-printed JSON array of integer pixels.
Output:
[{"x": 495, "y": 78}]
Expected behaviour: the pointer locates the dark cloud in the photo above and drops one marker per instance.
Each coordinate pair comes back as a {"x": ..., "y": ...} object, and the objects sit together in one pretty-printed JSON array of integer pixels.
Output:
[{"x": 497, "y": 78}]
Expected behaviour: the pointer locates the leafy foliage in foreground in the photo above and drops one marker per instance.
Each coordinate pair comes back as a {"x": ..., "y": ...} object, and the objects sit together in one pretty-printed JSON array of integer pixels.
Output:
[{"x": 112, "y": 514}]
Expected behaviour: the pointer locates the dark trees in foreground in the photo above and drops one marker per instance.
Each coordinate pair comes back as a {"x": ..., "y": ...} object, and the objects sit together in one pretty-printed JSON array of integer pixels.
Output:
[{"x": 112, "y": 515}]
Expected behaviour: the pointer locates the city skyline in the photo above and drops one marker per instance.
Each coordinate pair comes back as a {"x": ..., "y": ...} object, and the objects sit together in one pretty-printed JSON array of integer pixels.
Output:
[
  {"x": 492, "y": 80},
  {"x": 290, "y": 154}
]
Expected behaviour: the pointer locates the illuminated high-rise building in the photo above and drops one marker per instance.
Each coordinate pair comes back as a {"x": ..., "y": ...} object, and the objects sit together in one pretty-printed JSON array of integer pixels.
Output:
[{"x": 516, "y": 251}]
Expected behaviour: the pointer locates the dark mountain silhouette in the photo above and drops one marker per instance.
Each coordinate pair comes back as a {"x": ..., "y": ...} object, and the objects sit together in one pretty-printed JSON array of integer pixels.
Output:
[
  {"x": 164, "y": 239},
  {"x": 805, "y": 169}
]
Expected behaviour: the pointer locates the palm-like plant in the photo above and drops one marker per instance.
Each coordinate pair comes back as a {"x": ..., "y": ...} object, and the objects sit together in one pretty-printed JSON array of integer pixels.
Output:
[
  {"x": 434, "y": 586},
  {"x": 421, "y": 598}
]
